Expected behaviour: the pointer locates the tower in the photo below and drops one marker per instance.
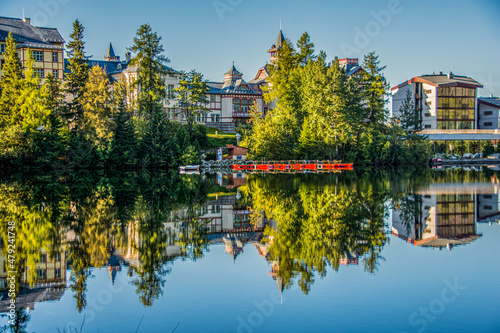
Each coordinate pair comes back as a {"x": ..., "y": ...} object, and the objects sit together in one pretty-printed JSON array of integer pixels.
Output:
[
  {"x": 110, "y": 55},
  {"x": 276, "y": 46},
  {"x": 232, "y": 74}
]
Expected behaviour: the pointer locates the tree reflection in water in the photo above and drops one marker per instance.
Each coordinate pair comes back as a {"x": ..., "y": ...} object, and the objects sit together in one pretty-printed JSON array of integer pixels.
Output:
[{"x": 125, "y": 219}]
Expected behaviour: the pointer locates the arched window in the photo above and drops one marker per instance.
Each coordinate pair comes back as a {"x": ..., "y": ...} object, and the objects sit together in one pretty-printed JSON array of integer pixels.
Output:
[{"x": 242, "y": 105}]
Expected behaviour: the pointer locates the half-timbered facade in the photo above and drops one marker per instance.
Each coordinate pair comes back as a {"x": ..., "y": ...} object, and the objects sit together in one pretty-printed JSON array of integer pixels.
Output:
[{"x": 46, "y": 46}]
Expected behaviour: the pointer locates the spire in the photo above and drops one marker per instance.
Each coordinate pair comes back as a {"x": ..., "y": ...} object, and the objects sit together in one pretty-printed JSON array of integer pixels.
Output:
[
  {"x": 110, "y": 55},
  {"x": 278, "y": 44}
]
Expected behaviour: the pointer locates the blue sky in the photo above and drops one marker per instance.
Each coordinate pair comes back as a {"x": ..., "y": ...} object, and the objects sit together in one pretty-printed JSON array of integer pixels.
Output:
[{"x": 411, "y": 37}]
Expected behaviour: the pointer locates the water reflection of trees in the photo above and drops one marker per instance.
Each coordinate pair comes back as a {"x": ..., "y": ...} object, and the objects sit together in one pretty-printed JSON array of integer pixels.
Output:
[
  {"x": 324, "y": 220},
  {"x": 90, "y": 216},
  {"x": 321, "y": 221}
]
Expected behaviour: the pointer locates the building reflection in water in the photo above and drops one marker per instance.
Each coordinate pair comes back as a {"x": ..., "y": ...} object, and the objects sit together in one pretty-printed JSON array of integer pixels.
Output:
[
  {"x": 50, "y": 281},
  {"x": 445, "y": 214}
]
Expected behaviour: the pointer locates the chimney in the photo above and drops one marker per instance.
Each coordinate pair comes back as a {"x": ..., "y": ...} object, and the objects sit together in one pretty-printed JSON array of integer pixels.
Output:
[
  {"x": 491, "y": 95},
  {"x": 440, "y": 73},
  {"x": 27, "y": 20},
  {"x": 128, "y": 57},
  {"x": 450, "y": 75}
]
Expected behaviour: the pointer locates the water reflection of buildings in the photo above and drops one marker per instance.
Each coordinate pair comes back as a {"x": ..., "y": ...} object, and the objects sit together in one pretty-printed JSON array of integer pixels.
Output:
[
  {"x": 445, "y": 215},
  {"x": 50, "y": 284}
]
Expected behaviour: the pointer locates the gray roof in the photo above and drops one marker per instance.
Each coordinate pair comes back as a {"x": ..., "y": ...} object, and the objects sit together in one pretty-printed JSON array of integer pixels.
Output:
[
  {"x": 27, "y": 35},
  {"x": 279, "y": 42},
  {"x": 37, "y": 294},
  {"x": 490, "y": 100},
  {"x": 231, "y": 87},
  {"x": 442, "y": 79},
  {"x": 110, "y": 53},
  {"x": 233, "y": 71}
]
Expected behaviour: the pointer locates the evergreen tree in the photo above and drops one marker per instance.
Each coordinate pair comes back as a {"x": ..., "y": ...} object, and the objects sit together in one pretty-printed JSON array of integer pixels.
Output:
[
  {"x": 55, "y": 96},
  {"x": 151, "y": 69},
  {"x": 32, "y": 118},
  {"x": 96, "y": 122},
  {"x": 78, "y": 68},
  {"x": 408, "y": 117},
  {"x": 159, "y": 146},
  {"x": 375, "y": 90},
  {"x": 192, "y": 94},
  {"x": 306, "y": 49},
  {"x": 53, "y": 140},
  {"x": 10, "y": 83},
  {"x": 124, "y": 145}
]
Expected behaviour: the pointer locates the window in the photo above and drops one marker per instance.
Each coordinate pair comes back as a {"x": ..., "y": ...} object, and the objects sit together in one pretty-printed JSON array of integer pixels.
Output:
[
  {"x": 41, "y": 274},
  {"x": 488, "y": 113},
  {"x": 58, "y": 273},
  {"x": 58, "y": 257},
  {"x": 1, "y": 63},
  {"x": 37, "y": 55},
  {"x": 43, "y": 258},
  {"x": 2, "y": 48},
  {"x": 428, "y": 126},
  {"x": 38, "y": 72},
  {"x": 488, "y": 124},
  {"x": 213, "y": 98},
  {"x": 171, "y": 93},
  {"x": 55, "y": 73},
  {"x": 241, "y": 105},
  {"x": 488, "y": 207},
  {"x": 217, "y": 119},
  {"x": 54, "y": 57}
]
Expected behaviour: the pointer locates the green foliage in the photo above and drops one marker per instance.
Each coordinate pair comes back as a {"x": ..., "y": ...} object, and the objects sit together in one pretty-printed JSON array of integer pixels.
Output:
[
  {"x": 192, "y": 95},
  {"x": 322, "y": 113},
  {"x": 78, "y": 71},
  {"x": 10, "y": 84},
  {"x": 408, "y": 115},
  {"x": 374, "y": 89},
  {"x": 150, "y": 63},
  {"x": 123, "y": 153},
  {"x": 96, "y": 122},
  {"x": 488, "y": 149},
  {"x": 159, "y": 147}
]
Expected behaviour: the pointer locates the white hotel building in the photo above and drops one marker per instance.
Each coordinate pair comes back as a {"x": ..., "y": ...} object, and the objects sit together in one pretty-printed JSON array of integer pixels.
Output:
[{"x": 450, "y": 113}]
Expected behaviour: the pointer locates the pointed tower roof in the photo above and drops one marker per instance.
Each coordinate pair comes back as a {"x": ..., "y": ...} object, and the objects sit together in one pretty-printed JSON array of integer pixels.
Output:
[
  {"x": 110, "y": 55},
  {"x": 233, "y": 71},
  {"x": 279, "y": 42},
  {"x": 233, "y": 74}
]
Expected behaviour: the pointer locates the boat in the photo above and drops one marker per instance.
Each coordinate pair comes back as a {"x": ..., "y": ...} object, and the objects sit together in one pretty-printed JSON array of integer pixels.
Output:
[
  {"x": 291, "y": 166},
  {"x": 189, "y": 168}
]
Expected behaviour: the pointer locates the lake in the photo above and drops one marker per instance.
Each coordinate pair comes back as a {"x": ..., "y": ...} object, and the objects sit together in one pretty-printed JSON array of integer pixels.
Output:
[{"x": 357, "y": 251}]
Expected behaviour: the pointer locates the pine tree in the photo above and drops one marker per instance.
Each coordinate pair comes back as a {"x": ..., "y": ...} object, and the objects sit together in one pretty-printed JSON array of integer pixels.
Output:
[
  {"x": 192, "y": 94},
  {"x": 124, "y": 145},
  {"x": 11, "y": 82},
  {"x": 95, "y": 121},
  {"x": 408, "y": 117},
  {"x": 151, "y": 70},
  {"x": 159, "y": 146},
  {"x": 375, "y": 90},
  {"x": 78, "y": 71},
  {"x": 306, "y": 49}
]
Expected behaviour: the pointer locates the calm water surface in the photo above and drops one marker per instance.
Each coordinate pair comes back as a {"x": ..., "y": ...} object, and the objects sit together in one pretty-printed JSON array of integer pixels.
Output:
[{"x": 362, "y": 251}]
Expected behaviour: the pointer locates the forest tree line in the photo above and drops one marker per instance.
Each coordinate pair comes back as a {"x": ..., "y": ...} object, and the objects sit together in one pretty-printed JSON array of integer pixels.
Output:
[
  {"x": 321, "y": 112},
  {"x": 86, "y": 121}
]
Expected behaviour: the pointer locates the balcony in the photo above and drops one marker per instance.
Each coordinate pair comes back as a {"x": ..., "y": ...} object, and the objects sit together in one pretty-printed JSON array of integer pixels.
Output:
[{"x": 241, "y": 114}]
